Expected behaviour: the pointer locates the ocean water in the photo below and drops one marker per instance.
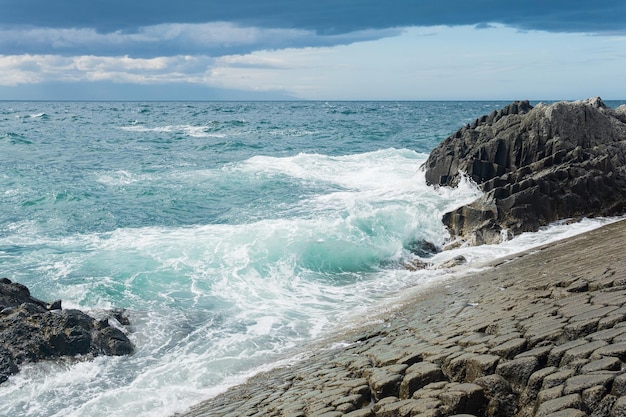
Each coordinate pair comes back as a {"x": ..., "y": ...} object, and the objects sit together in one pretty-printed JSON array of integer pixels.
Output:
[{"x": 232, "y": 233}]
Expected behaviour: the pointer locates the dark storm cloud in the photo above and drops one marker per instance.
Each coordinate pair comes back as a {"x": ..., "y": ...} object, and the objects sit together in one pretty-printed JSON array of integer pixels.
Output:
[
  {"x": 324, "y": 16},
  {"x": 81, "y": 27},
  {"x": 168, "y": 39}
]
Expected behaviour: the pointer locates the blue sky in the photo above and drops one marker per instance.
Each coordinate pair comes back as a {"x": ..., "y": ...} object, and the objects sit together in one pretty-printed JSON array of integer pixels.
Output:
[{"x": 322, "y": 50}]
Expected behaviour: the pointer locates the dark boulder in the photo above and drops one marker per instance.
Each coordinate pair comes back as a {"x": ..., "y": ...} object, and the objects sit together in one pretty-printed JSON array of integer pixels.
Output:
[
  {"x": 32, "y": 330},
  {"x": 535, "y": 165}
]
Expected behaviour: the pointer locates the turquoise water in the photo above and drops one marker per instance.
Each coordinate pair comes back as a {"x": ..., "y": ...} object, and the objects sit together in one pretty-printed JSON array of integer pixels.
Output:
[{"x": 231, "y": 232}]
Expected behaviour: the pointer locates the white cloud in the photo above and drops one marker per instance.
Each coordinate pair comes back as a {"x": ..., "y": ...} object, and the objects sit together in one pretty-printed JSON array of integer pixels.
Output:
[
  {"x": 27, "y": 69},
  {"x": 439, "y": 63},
  {"x": 19, "y": 70},
  {"x": 419, "y": 63}
]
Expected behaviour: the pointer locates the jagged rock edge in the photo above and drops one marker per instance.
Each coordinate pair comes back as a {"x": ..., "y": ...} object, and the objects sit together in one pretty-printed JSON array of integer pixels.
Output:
[{"x": 513, "y": 179}]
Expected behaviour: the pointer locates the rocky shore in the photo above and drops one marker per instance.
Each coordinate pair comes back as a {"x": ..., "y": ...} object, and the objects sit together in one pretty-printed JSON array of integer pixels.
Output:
[
  {"x": 32, "y": 330},
  {"x": 541, "y": 333}
]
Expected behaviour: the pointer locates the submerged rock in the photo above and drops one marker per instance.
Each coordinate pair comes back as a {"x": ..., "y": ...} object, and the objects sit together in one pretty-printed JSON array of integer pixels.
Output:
[
  {"x": 535, "y": 165},
  {"x": 420, "y": 249},
  {"x": 32, "y": 330},
  {"x": 423, "y": 248}
]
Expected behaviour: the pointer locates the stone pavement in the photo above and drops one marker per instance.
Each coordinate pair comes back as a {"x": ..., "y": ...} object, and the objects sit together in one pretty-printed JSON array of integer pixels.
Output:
[{"x": 542, "y": 333}]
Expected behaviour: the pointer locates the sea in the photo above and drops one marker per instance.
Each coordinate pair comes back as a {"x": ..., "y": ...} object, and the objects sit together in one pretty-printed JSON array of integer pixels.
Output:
[{"x": 233, "y": 234}]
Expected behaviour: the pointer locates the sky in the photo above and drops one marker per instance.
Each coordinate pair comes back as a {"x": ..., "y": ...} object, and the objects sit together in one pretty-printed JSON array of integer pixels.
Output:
[{"x": 312, "y": 50}]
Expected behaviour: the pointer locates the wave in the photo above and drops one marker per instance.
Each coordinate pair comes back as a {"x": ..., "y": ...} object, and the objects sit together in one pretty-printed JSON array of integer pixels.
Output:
[
  {"x": 205, "y": 131},
  {"x": 210, "y": 306},
  {"x": 17, "y": 139},
  {"x": 221, "y": 130}
]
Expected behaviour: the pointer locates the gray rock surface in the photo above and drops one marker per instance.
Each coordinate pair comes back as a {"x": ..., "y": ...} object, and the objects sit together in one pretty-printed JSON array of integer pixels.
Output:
[
  {"x": 535, "y": 166},
  {"x": 32, "y": 330}
]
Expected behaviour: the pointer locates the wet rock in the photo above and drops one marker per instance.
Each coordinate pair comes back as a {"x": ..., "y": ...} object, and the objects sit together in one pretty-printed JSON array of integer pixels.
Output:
[
  {"x": 395, "y": 408},
  {"x": 418, "y": 376},
  {"x": 500, "y": 397},
  {"x": 581, "y": 352},
  {"x": 592, "y": 397},
  {"x": 470, "y": 366},
  {"x": 7, "y": 365},
  {"x": 384, "y": 402},
  {"x": 606, "y": 364},
  {"x": 416, "y": 264},
  {"x": 423, "y": 248},
  {"x": 121, "y": 316},
  {"x": 619, "y": 408},
  {"x": 557, "y": 379},
  {"x": 112, "y": 341},
  {"x": 568, "y": 412},
  {"x": 464, "y": 399},
  {"x": 604, "y": 408},
  {"x": 360, "y": 413},
  {"x": 518, "y": 371},
  {"x": 32, "y": 330},
  {"x": 510, "y": 348},
  {"x": 558, "y": 404},
  {"x": 451, "y": 263},
  {"x": 535, "y": 166},
  {"x": 617, "y": 350},
  {"x": 580, "y": 383},
  {"x": 619, "y": 386},
  {"x": 385, "y": 382}
]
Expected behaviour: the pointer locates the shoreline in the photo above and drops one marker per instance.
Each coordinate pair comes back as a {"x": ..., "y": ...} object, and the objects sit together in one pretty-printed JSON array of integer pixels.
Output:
[{"x": 534, "y": 333}]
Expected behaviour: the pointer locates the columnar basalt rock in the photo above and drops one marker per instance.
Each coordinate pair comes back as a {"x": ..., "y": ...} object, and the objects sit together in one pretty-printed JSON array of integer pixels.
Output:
[
  {"x": 535, "y": 165},
  {"x": 32, "y": 330}
]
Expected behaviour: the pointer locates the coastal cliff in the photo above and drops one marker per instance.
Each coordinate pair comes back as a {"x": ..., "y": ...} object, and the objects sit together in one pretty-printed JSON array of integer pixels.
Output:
[{"x": 535, "y": 165}]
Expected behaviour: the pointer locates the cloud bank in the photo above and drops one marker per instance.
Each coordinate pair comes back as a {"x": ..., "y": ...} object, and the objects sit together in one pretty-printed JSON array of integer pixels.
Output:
[
  {"x": 353, "y": 49},
  {"x": 155, "y": 28},
  {"x": 168, "y": 39}
]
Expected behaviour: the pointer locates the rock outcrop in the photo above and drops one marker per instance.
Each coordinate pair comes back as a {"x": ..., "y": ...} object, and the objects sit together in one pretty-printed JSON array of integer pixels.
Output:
[
  {"x": 535, "y": 165},
  {"x": 32, "y": 330}
]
